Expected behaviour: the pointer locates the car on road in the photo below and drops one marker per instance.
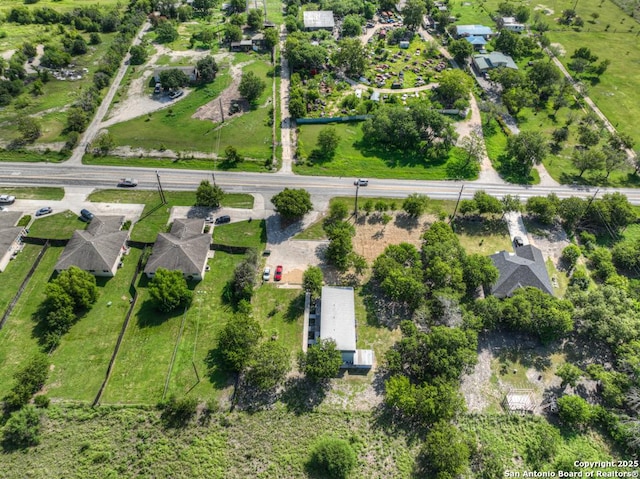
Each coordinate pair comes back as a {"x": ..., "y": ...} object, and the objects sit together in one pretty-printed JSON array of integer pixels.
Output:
[
  {"x": 266, "y": 273},
  {"x": 220, "y": 220},
  {"x": 361, "y": 182},
  {"x": 44, "y": 211},
  {"x": 86, "y": 215},
  {"x": 6, "y": 199},
  {"x": 209, "y": 219},
  {"x": 278, "y": 275},
  {"x": 176, "y": 94},
  {"x": 517, "y": 240},
  {"x": 128, "y": 182}
]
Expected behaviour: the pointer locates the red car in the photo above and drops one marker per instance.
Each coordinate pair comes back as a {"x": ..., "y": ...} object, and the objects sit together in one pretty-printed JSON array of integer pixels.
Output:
[{"x": 278, "y": 275}]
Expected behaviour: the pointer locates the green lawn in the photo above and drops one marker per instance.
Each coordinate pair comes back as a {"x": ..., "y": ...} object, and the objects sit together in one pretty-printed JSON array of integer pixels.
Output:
[
  {"x": 56, "y": 226},
  {"x": 177, "y": 131},
  {"x": 33, "y": 193},
  {"x": 81, "y": 360},
  {"x": 354, "y": 157},
  {"x": 14, "y": 274},
  {"x": 17, "y": 339},
  {"x": 483, "y": 237},
  {"x": 29, "y": 156},
  {"x": 279, "y": 311},
  {"x": 496, "y": 143},
  {"x": 155, "y": 215},
  {"x": 243, "y": 233}
]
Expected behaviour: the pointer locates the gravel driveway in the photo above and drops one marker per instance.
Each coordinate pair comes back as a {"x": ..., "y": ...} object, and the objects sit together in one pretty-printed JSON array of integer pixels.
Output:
[{"x": 516, "y": 226}]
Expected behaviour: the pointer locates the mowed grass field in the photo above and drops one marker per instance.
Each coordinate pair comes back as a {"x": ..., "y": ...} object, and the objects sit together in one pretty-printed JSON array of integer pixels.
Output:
[
  {"x": 175, "y": 130},
  {"x": 611, "y": 36},
  {"x": 18, "y": 340},
  {"x": 354, "y": 157},
  {"x": 80, "y": 361}
]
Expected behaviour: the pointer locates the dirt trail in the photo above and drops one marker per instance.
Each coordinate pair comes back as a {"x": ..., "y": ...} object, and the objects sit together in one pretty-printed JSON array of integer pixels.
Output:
[{"x": 211, "y": 111}]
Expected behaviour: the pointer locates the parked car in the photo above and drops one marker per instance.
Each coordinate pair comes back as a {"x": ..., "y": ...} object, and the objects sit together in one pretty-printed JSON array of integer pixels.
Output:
[
  {"x": 4, "y": 208},
  {"x": 158, "y": 88},
  {"x": 209, "y": 219},
  {"x": 44, "y": 211},
  {"x": 278, "y": 275},
  {"x": 128, "y": 182},
  {"x": 266, "y": 274},
  {"x": 176, "y": 94},
  {"x": 361, "y": 182},
  {"x": 220, "y": 220},
  {"x": 517, "y": 240},
  {"x": 6, "y": 199},
  {"x": 86, "y": 215}
]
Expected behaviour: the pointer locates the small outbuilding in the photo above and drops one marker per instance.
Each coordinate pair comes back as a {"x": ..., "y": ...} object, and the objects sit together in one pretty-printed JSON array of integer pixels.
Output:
[
  {"x": 474, "y": 31},
  {"x": 242, "y": 46},
  {"x": 319, "y": 20},
  {"x": 338, "y": 322},
  {"x": 511, "y": 24}
]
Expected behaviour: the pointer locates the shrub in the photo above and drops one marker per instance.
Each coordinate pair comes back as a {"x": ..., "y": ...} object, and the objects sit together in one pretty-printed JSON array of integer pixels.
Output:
[
  {"x": 22, "y": 429},
  {"x": 178, "y": 412},
  {"x": 570, "y": 255},
  {"x": 29, "y": 379},
  {"x": 333, "y": 457},
  {"x": 41, "y": 401}
]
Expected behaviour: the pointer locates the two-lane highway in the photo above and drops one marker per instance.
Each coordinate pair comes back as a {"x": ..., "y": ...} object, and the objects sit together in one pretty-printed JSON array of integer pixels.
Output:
[{"x": 38, "y": 174}]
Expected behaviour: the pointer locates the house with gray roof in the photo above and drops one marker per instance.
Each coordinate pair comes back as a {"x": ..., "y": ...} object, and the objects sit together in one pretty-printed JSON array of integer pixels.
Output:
[
  {"x": 98, "y": 249},
  {"x": 338, "y": 322},
  {"x": 185, "y": 248},
  {"x": 10, "y": 236},
  {"x": 525, "y": 267},
  {"x": 483, "y": 62},
  {"x": 318, "y": 20}
]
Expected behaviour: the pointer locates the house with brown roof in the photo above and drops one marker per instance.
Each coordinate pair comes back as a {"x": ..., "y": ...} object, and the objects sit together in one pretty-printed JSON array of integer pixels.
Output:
[
  {"x": 98, "y": 249},
  {"x": 10, "y": 236},
  {"x": 185, "y": 248}
]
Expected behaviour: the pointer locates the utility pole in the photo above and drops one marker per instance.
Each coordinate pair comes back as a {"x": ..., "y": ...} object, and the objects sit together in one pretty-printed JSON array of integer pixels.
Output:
[
  {"x": 221, "y": 110},
  {"x": 214, "y": 178},
  {"x": 162, "y": 197},
  {"x": 455, "y": 210},
  {"x": 356, "y": 205}
]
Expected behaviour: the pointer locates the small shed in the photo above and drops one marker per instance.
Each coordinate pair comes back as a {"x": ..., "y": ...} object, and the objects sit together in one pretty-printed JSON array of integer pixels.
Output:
[
  {"x": 375, "y": 96},
  {"x": 519, "y": 401},
  {"x": 404, "y": 44},
  {"x": 241, "y": 46}
]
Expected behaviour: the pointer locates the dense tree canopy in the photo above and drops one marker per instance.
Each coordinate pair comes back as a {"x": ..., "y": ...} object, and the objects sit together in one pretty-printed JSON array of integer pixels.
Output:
[
  {"x": 445, "y": 452},
  {"x": 322, "y": 360},
  {"x": 207, "y": 69},
  {"x": 208, "y": 195},
  {"x": 169, "y": 290},
  {"x": 454, "y": 88},
  {"x": 237, "y": 342},
  {"x": 350, "y": 56},
  {"x": 312, "y": 281},
  {"x": 251, "y": 86},
  {"x": 269, "y": 365},
  {"x": 301, "y": 55},
  {"x": 400, "y": 273},
  {"x": 292, "y": 203}
]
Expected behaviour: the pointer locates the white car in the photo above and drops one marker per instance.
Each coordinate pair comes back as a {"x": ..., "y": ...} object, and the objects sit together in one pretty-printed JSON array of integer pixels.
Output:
[
  {"x": 266, "y": 274},
  {"x": 6, "y": 199},
  {"x": 361, "y": 182}
]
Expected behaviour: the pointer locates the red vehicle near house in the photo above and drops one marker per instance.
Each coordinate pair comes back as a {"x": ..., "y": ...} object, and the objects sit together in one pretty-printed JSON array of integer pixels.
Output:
[{"x": 278, "y": 275}]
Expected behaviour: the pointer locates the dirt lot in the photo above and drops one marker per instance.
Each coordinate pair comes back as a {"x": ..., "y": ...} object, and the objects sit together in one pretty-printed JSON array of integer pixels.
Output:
[
  {"x": 211, "y": 111},
  {"x": 372, "y": 236}
]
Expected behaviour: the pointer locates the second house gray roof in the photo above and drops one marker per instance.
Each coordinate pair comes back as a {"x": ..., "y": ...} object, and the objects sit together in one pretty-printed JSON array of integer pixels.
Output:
[
  {"x": 97, "y": 248},
  {"x": 184, "y": 249},
  {"x": 524, "y": 268}
]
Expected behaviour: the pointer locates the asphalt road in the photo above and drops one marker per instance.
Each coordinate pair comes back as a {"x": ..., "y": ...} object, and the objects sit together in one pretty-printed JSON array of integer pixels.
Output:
[{"x": 29, "y": 174}]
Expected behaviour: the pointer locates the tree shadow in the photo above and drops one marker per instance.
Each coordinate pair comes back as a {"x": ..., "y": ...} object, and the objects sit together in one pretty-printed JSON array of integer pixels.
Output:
[
  {"x": 406, "y": 222},
  {"x": 149, "y": 316},
  {"x": 302, "y": 395},
  {"x": 252, "y": 399},
  {"x": 219, "y": 377},
  {"x": 295, "y": 308},
  {"x": 512, "y": 172}
]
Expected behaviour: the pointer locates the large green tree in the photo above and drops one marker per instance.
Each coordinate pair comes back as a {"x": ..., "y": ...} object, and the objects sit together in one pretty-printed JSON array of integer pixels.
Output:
[
  {"x": 168, "y": 290},
  {"x": 312, "y": 281},
  {"x": 526, "y": 149},
  {"x": 251, "y": 86},
  {"x": 445, "y": 452},
  {"x": 22, "y": 428},
  {"x": 413, "y": 13},
  {"x": 292, "y": 203},
  {"x": 238, "y": 341},
  {"x": 322, "y": 360},
  {"x": 454, "y": 88},
  {"x": 207, "y": 69},
  {"x": 173, "y": 78},
  {"x": 270, "y": 364},
  {"x": 208, "y": 195},
  {"x": 350, "y": 56}
]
